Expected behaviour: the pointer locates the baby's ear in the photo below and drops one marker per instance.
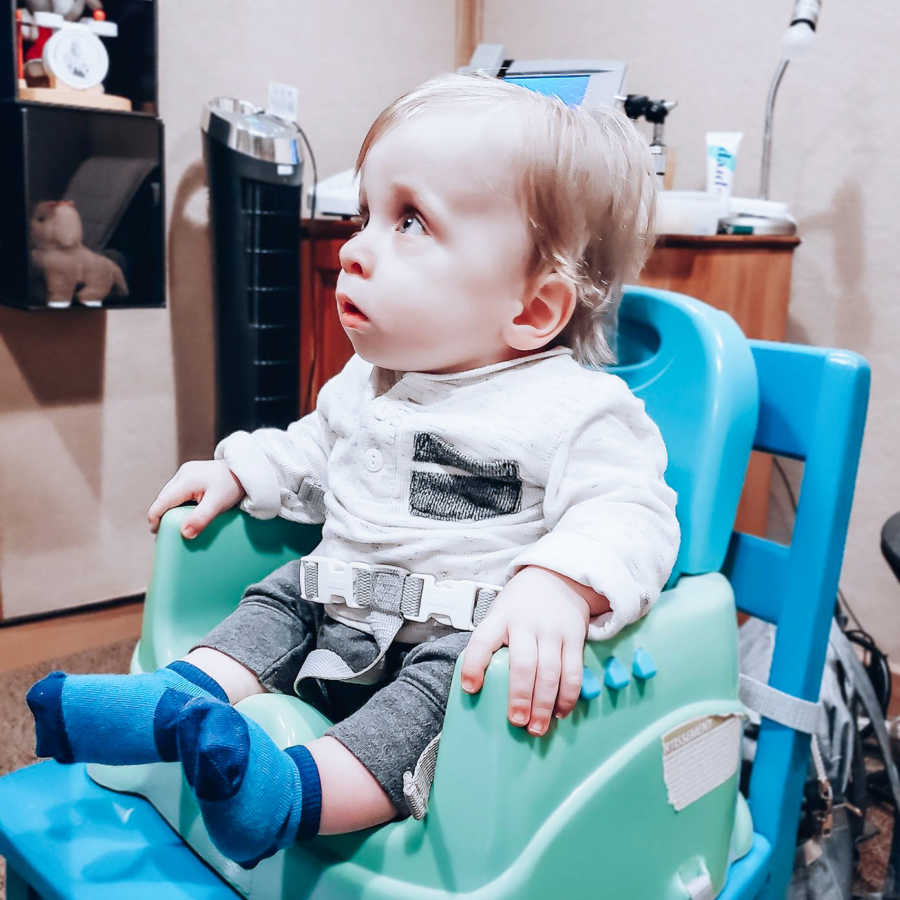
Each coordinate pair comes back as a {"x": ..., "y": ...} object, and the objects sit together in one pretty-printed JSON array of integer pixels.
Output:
[{"x": 546, "y": 311}]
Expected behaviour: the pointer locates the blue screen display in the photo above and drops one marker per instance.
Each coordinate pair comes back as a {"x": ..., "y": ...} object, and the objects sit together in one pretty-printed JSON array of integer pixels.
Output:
[{"x": 569, "y": 88}]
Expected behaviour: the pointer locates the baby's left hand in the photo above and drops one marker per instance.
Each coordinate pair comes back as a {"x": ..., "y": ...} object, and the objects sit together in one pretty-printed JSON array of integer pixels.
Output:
[{"x": 543, "y": 617}]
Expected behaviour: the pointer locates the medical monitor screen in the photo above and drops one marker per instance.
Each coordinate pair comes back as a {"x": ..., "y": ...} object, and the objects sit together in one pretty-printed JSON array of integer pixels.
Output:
[
  {"x": 569, "y": 88},
  {"x": 577, "y": 82}
]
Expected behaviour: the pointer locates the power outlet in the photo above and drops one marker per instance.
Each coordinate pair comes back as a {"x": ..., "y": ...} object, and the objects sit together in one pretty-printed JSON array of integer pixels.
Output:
[{"x": 282, "y": 101}]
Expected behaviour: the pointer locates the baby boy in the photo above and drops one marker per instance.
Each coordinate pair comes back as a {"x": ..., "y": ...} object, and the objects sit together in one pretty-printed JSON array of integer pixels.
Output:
[{"x": 472, "y": 447}]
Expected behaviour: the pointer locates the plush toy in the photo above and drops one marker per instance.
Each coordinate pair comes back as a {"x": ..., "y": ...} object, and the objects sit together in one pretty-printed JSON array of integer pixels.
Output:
[{"x": 70, "y": 269}]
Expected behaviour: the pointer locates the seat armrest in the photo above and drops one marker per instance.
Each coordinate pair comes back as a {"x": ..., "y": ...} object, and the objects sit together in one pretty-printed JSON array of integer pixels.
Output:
[
  {"x": 521, "y": 781},
  {"x": 197, "y": 583}
]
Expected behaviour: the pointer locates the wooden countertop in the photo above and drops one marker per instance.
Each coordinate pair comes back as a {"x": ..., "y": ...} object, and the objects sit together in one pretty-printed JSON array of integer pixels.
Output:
[{"x": 729, "y": 241}]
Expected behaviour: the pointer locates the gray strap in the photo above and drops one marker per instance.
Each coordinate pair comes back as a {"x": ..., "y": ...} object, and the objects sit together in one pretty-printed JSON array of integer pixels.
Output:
[
  {"x": 328, "y": 665},
  {"x": 412, "y": 596},
  {"x": 310, "y": 572},
  {"x": 863, "y": 687},
  {"x": 484, "y": 598},
  {"x": 417, "y": 785},
  {"x": 312, "y": 494},
  {"x": 786, "y": 709},
  {"x": 383, "y": 593}
]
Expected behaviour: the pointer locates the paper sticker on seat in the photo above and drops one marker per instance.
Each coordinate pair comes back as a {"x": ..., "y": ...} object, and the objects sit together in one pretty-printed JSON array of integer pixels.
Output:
[{"x": 700, "y": 755}]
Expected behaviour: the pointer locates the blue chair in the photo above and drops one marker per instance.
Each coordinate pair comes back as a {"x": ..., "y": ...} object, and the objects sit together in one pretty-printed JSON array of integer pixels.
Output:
[
  {"x": 698, "y": 378},
  {"x": 812, "y": 408}
]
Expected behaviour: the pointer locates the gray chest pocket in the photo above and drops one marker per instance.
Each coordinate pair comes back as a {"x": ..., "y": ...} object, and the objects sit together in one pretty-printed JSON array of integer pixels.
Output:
[{"x": 475, "y": 488}]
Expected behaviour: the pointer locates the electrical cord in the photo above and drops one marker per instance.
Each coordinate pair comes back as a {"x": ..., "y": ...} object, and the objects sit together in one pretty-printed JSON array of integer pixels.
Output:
[
  {"x": 876, "y": 665},
  {"x": 312, "y": 214},
  {"x": 312, "y": 159}
]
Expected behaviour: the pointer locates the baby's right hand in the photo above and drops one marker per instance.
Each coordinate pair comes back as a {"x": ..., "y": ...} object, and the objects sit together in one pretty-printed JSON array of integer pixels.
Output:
[{"x": 210, "y": 483}]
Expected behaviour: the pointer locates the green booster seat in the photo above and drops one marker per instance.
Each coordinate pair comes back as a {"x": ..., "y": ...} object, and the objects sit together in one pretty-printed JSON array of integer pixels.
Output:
[{"x": 634, "y": 795}]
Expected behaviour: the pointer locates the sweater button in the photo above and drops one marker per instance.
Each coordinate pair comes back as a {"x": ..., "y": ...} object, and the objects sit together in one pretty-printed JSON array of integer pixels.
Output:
[{"x": 374, "y": 460}]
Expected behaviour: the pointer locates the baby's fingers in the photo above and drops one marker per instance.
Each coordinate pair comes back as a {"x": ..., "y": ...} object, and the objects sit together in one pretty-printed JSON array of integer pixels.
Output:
[
  {"x": 570, "y": 682},
  {"x": 486, "y": 640},
  {"x": 546, "y": 685},
  {"x": 206, "y": 510},
  {"x": 523, "y": 658},
  {"x": 176, "y": 492}
]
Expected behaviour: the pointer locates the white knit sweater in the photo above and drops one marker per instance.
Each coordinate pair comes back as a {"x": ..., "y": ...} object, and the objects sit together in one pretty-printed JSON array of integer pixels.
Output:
[{"x": 473, "y": 475}]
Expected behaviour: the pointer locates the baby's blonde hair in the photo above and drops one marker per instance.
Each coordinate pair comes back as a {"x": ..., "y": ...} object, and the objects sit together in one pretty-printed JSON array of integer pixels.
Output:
[{"x": 586, "y": 188}]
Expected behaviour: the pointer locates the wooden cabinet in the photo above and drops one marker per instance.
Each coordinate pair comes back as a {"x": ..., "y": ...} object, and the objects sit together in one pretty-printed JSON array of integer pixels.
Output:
[
  {"x": 750, "y": 278},
  {"x": 324, "y": 348},
  {"x": 747, "y": 276}
]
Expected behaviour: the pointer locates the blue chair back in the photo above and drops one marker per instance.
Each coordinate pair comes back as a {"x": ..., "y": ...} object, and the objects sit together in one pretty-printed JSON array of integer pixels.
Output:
[
  {"x": 692, "y": 367},
  {"x": 812, "y": 408}
]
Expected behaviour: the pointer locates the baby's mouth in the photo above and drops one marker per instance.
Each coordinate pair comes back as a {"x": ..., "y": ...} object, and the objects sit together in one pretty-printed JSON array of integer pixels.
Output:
[{"x": 350, "y": 313}]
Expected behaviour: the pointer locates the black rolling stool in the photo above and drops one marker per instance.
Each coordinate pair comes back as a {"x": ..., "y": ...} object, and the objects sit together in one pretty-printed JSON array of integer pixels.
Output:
[{"x": 890, "y": 542}]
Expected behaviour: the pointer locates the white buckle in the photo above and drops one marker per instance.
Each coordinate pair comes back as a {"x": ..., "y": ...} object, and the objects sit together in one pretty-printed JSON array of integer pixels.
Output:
[
  {"x": 334, "y": 578},
  {"x": 447, "y": 601}
]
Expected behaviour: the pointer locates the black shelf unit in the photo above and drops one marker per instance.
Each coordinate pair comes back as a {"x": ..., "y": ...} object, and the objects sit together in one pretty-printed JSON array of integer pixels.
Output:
[{"x": 67, "y": 168}]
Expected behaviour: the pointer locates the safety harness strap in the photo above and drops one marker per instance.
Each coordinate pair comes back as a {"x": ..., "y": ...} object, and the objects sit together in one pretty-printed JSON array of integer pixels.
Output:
[
  {"x": 786, "y": 709},
  {"x": 383, "y": 592},
  {"x": 417, "y": 785},
  {"x": 390, "y": 596}
]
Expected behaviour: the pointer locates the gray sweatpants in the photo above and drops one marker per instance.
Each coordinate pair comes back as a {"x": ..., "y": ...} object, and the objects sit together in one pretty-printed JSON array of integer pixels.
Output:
[{"x": 386, "y": 726}]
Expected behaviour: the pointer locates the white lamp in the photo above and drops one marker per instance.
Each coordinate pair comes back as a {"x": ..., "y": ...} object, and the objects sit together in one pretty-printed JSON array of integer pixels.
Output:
[
  {"x": 795, "y": 42},
  {"x": 760, "y": 215}
]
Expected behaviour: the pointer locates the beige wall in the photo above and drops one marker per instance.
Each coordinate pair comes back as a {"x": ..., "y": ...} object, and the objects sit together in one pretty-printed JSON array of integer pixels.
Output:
[
  {"x": 834, "y": 162},
  {"x": 97, "y": 409}
]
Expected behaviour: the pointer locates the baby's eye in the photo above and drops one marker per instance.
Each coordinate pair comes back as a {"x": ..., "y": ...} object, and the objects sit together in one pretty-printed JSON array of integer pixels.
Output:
[{"x": 409, "y": 220}]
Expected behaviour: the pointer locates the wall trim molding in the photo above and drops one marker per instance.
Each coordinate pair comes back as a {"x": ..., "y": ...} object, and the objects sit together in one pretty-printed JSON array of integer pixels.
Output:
[{"x": 469, "y": 29}]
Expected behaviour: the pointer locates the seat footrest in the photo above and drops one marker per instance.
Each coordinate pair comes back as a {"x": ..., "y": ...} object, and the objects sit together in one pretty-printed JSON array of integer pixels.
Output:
[
  {"x": 67, "y": 837},
  {"x": 747, "y": 875}
]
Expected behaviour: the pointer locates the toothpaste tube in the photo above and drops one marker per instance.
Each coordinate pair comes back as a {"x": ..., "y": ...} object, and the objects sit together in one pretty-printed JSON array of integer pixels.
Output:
[{"x": 721, "y": 156}]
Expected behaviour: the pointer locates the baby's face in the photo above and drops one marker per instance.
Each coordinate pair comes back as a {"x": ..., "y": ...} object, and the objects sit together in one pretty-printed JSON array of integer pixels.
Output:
[{"x": 439, "y": 265}]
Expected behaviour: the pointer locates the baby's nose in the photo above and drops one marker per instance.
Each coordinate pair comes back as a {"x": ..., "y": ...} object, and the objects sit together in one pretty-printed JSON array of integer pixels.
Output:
[{"x": 355, "y": 257}]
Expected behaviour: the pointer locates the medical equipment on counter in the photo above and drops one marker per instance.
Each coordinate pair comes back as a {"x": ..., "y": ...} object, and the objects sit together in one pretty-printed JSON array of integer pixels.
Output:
[
  {"x": 588, "y": 82},
  {"x": 655, "y": 112},
  {"x": 337, "y": 195}
]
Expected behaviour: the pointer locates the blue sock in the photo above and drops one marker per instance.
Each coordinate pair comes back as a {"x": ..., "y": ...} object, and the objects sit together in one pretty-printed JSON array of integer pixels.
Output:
[
  {"x": 255, "y": 799},
  {"x": 115, "y": 719}
]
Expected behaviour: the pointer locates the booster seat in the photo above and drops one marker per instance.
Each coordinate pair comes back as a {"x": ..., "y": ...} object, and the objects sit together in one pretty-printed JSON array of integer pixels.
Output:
[{"x": 633, "y": 795}]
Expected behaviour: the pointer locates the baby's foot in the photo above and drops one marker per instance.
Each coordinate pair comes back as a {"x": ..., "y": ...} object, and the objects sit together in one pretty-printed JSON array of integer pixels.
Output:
[
  {"x": 115, "y": 719},
  {"x": 255, "y": 799}
]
